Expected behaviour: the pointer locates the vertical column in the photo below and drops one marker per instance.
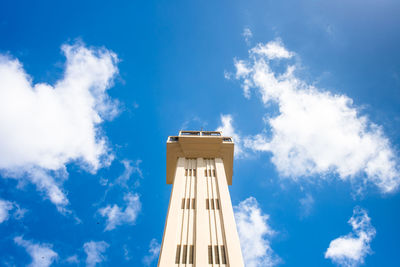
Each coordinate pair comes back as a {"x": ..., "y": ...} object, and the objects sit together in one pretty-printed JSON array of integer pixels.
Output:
[
  {"x": 212, "y": 211},
  {"x": 233, "y": 251},
  {"x": 201, "y": 238},
  {"x": 173, "y": 224},
  {"x": 185, "y": 212},
  {"x": 218, "y": 221},
  {"x": 191, "y": 210}
]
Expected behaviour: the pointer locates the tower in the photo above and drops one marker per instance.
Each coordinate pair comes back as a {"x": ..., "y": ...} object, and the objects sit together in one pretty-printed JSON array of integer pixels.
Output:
[{"x": 200, "y": 228}]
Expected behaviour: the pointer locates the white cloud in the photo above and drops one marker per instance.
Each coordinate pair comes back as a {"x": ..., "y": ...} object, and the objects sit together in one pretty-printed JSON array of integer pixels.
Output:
[
  {"x": 242, "y": 71},
  {"x": 43, "y": 127},
  {"x": 247, "y": 34},
  {"x": 127, "y": 255},
  {"x": 272, "y": 50},
  {"x": 42, "y": 254},
  {"x": 117, "y": 216},
  {"x": 316, "y": 132},
  {"x": 5, "y": 207},
  {"x": 154, "y": 250},
  {"x": 351, "y": 249},
  {"x": 306, "y": 205},
  {"x": 72, "y": 259},
  {"x": 227, "y": 75},
  {"x": 94, "y": 251},
  {"x": 227, "y": 129},
  {"x": 254, "y": 232},
  {"x": 130, "y": 167}
]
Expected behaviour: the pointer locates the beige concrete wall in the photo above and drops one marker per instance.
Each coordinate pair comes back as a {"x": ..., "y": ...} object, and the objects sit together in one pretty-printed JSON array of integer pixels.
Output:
[
  {"x": 201, "y": 227},
  {"x": 172, "y": 229}
]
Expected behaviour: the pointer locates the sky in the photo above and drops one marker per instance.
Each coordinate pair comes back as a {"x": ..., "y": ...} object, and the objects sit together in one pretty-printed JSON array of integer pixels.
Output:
[{"x": 90, "y": 90}]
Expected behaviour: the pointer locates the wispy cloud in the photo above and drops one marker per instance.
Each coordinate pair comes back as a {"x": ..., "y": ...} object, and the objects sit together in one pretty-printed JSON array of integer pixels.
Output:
[
  {"x": 247, "y": 34},
  {"x": 306, "y": 205},
  {"x": 43, "y": 127},
  {"x": 95, "y": 252},
  {"x": 227, "y": 129},
  {"x": 154, "y": 250},
  {"x": 351, "y": 249},
  {"x": 272, "y": 50},
  {"x": 42, "y": 254},
  {"x": 117, "y": 215},
  {"x": 316, "y": 132},
  {"x": 130, "y": 167},
  {"x": 7, "y": 207},
  {"x": 254, "y": 233},
  {"x": 72, "y": 259}
]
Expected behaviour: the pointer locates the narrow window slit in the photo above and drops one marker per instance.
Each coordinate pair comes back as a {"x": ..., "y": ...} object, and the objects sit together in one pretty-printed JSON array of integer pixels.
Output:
[
  {"x": 188, "y": 203},
  {"x": 212, "y": 203},
  {"x": 191, "y": 252},
  {"x": 210, "y": 257},
  {"x": 207, "y": 204},
  {"x": 178, "y": 254},
  {"x": 193, "y": 204},
  {"x": 183, "y": 203},
  {"x": 216, "y": 252},
  {"x": 184, "y": 254},
  {"x": 223, "y": 256}
]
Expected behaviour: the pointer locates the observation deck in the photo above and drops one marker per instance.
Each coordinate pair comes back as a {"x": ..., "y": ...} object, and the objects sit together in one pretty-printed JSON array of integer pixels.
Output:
[{"x": 199, "y": 144}]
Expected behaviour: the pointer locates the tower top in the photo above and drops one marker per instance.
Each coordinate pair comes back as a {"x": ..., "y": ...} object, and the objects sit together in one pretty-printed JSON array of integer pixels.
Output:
[{"x": 199, "y": 144}]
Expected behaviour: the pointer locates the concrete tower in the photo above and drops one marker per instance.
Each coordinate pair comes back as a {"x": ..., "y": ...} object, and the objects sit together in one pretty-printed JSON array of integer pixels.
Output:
[{"x": 200, "y": 229}]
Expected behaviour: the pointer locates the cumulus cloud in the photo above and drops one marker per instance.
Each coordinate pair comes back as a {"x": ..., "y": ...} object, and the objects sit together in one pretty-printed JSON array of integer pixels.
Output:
[
  {"x": 117, "y": 216},
  {"x": 43, "y": 127},
  {"x": 351, "y": 249},
  {"x": 94, "y": 251},
  {"x": 154, "y": 250},
  {"x": 42, "y": 254},
  {"x": 227, "y": 129},
  {"x": 316, "y": 132},
  {"x": 254, "y": 233}
]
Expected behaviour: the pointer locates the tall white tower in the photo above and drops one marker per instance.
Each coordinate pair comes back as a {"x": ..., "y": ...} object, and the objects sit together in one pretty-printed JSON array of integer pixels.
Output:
[{"x": 200, "y": 229}]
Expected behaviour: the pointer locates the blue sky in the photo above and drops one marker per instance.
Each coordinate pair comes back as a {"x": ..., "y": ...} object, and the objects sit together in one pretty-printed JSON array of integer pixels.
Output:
[{"x": 89, "y": 92}]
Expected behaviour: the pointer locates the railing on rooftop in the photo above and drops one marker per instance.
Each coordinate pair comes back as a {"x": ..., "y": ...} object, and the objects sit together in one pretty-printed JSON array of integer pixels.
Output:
[
  {"x": 211, "y": 133},
  {"x": 199, "y": 133},
  {"x": 203, "y": 133},
  {"x": 189, "y": 133}
]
